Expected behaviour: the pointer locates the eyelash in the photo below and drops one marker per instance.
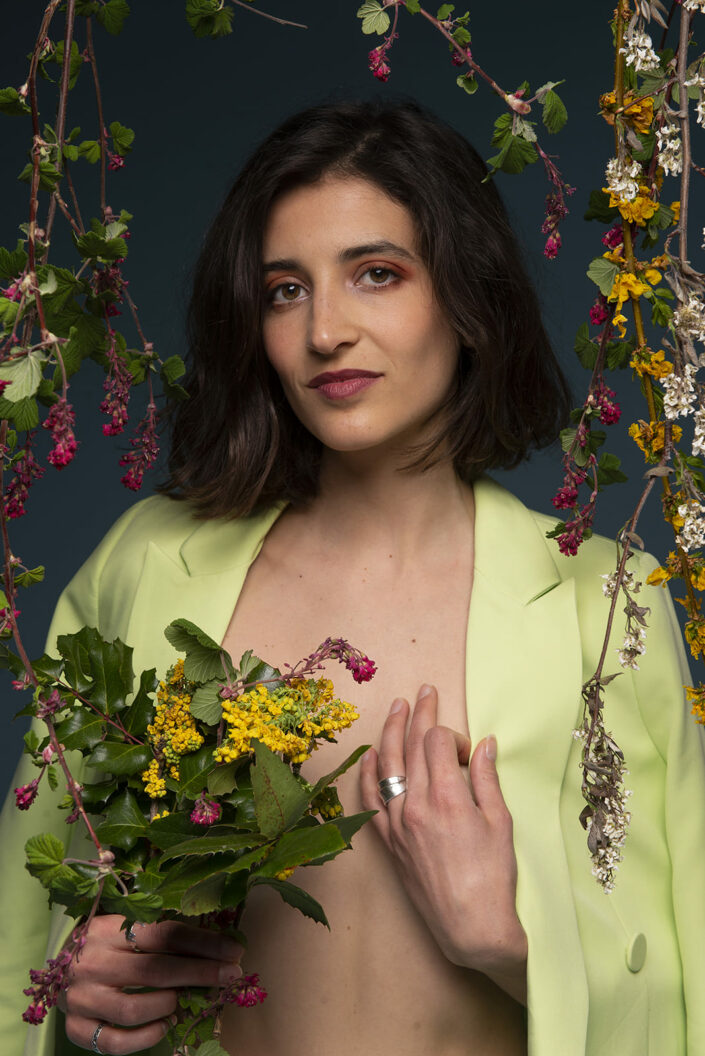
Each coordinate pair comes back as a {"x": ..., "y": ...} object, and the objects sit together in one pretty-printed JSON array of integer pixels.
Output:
[{"x": 393, "y": 276}]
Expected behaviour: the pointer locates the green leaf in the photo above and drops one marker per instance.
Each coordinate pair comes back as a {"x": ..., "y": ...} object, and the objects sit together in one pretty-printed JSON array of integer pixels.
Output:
[
  {"x": 603, "y": 273},
  {"x": 92, "y": 246},
  {"x": 101, "y": 669},
  {"x": 184, "y": 876},
  {"x": 514, "y": 156},
  {"x": 12, "y": 103},
  {"x": 52, "y": 778},
  {"x": 204, "y": 657},
  {"x": 461, "y": 36},
  {"x": 468, "y": 82},
  {"x": 608, "y": 471},
  {"x": 207, "y": 845},
  {"x": 70, "y": 151},
  {"x": 173, "y": 829},
  {"x": 444, "y": 12},
  {"x": 296, "y": 897},
  {"x": 661, "y": 314},
  {"x": 173, "y": 368},
  {"x": 323, "y": 782},
  {"x": 123, "y": 137},
  {"x": 138, "y": 905},
  {"x": 25, "y": 374},
  {"x": 82, "y": 729},
  {"x": 600, "y": 209},
  {"x": 47, "y": 667},
  {"x": 141, "y": 711},
  {"x": 30, "y": 576},
  {"x": 280, "y": 800},
  {"x": 31, "y": 741},
  {"x": 116, "y": 757},
  {"x": 554, "y": 113},
  {"x": 301, "y": 846},
  {"x": 49, "y": 177},
  {"x": 75, "y": 60},
  {"x": 112, "y": 15},
  {"x": 45, "y": 858},
  {"x": 124, "y": 822},
  {"x": 203, "y": 897},
  {"x": 24, "y": 413},
  {"x": 194, "y": 770},
  {"x": 206, "y": 703},
  {"x": 374, "y": 18},
  {"x": 618, "y": 353},
  {"x": 90, "y": 150},
  {"x": 213, "y": 1047},
  {"x": 222, "y": 780},
  {"x": 585, "y": 349},
  {"x": 12, "y": 261},
  {"x": 413, "y": 6},
  {"x": 207, "y": 20}
]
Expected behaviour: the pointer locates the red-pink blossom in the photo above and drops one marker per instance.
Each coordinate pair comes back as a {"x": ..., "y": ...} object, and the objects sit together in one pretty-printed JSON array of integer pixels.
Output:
[
  {"x": 599, "y": 313},
  {"x": 60, "y": 421},
  {"x": 13, "y": 292},
  {"x": 3, "y": 385},
  {"x": 48, "y": 706},
  {"x": 553, "y": 244},
  {"x": 205, "y": 811},
  {"x": 50, "y": 981},
  {"x": 115, "y": 161},
  {"x": 26, "y": 470},
  {"x": 565, "y": 498},
  {"x": 25, "y": 795},
  {"x": 378, "y": 65},
  {"x": 145, "y": 450},
  {"x": 245, "y": 992},
  {"x": 117, "y": 388},
  {"x": 614, "y": 237}
]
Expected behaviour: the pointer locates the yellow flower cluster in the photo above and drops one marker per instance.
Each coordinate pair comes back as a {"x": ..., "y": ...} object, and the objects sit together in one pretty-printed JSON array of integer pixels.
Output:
[
  {"x": 695, "y": 636},
  {"x": 639, "y": 114},
  {"x": 696, "y": 696},
  {"x": 636, "y": 210},
  {"x": 625, "y": 285},
  {"x": 287, "y": 720},
  {"x": 327, "y": 804},
  {"x": 696, "y": 569},
  {"x": 173, "y": 732},
  {"x": 649, "y": 436},
  {"x": 644, "y": 361}
]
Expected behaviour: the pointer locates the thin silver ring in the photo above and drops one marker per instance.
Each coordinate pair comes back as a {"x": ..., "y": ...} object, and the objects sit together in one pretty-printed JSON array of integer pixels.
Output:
[
  {"x": 130, "y": 934},
  {"x": 94, "y": 1040},
  {"x": 391, "y": 787}
]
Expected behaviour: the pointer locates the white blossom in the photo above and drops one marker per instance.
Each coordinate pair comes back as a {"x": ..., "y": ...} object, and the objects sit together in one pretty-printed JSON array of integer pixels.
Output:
[
  {"x": 699, "y": 438},
  {"x": 690, "y": 318},
  {"x": 670, "y": 150},
  {"x": 639, "y": 51},
  {"x": 622, "y": 179},
  {"x": 692, "y": 534},
  {"x": 694, "y": 5},
  {"x": 679, "y": 392},
  {"x": 610, "y": 578}
]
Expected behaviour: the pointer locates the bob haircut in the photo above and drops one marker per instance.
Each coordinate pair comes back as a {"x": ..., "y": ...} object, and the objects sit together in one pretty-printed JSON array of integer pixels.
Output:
[{"x": 236, "y": 444}]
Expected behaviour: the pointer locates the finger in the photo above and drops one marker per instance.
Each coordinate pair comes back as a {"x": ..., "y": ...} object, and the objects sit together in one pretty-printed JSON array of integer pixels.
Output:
[
  {"x": 124, "y": 1010},
  {"x": 485, "y": 780},
  {"x": 370, "y": 793},
  {"x": 390, "y": 762},
  {"x": 174, "y": 937},
  {"x": 424, "y": 717},
  {"x": 112, "y": 1040},
  {"x": 443, "y": 748},
  {"x": 160, "y": 970}
]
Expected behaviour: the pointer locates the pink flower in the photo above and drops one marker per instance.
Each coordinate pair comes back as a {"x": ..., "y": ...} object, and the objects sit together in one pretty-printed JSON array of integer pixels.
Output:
[
  {"x": 245, "y": 992},
  {"x": 27, "y": 469},
  {"x": 205, "y": 811},
  {"x": 553, "y": 244},
  {"x": 603, "y": 398},
  {"x": 376, "y": 62},
  {"x": 117, "y": 387},
  {"x": 598, "y": 312},
  {"x": 25, "y": 795},
  {"x": 48, "y": 754},
  {"x": 60, "y": 421},
  {"x": 13, "y": 291},
  {"x": 570, "y": 540},
  {"x": 614, "y": 237},
  {"x": 50, "y": 981},
  {"x": 458, "y": 60},
  {"x": 565, "y": 498},
  {"x": 363, "y": 669},
  {"x": 49, "y": 705},
  {"x": 145, "y": 450},
  {"x": 115, "y": 161}
]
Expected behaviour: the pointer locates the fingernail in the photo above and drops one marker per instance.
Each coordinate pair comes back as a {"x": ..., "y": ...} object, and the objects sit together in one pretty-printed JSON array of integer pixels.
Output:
[
  {"x": 424, "y": 691},
  {"x": 366, "y": 757},
  {"x": 228, "y": 973},
  {"x": 172, "y": 1021},
  {"x": 396, "y": 706},
  {"x": 491, "y": 748}
]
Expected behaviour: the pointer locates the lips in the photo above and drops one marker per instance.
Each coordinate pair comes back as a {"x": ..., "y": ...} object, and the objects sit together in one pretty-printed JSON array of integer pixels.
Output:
[{"x": 333, "y": 376}]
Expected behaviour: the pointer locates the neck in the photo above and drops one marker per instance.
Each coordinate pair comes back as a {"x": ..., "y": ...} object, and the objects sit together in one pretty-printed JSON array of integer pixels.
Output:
[{"x": 366, "y": 506}]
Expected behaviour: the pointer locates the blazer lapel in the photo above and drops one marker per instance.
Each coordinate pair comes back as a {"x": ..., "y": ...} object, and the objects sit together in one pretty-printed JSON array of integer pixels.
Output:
[{"x": 523, "y": 683}]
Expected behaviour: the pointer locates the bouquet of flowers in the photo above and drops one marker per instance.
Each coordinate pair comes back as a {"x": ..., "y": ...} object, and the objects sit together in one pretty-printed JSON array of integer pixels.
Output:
[{"x": 190, "y": 797}]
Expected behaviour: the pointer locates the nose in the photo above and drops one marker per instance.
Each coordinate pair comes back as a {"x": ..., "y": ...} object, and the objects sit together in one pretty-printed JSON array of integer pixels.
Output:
[{"x": 332, "y": 320}]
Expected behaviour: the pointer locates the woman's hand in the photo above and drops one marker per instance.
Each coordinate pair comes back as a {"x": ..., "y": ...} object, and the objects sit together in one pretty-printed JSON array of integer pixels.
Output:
[
  {"x": 452, "y": 840},
  {"x": 167, "y": 956}
]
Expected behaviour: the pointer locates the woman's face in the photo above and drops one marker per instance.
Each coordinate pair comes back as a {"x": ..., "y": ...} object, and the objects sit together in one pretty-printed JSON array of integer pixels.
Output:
[{"x": 351, "y": 326}]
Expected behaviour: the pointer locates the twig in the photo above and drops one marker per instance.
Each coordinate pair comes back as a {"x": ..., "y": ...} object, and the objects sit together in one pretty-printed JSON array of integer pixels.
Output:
[{"x": 264, "y": 14}]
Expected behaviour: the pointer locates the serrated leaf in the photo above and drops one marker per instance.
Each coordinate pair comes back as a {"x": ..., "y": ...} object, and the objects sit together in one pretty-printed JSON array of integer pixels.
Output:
[
  {"x": 603, "y": 273},
  {"x": 82, "y": 729},
  {"x": 48, "y": 667},
  {"x": 515, "y": 155},
  {"x": 374, "y": 18},
  {"x": 90, "y": 150},
  {"x": 92, "y": 246},
  {"x": 24, "y": 413},
  {"x": 30, "y": 576},
  {"x": 173, "y": 368},
  {"x": 52, "y": 778},
  {"x": 204, "y": 657},
  {"x": 12, "y": 103},
  {"x": 25, "y": 373},
  {"x": 116, "y": 757},
  {"x": 413, "y": 6},
  {"x": 206, "y": 18},
  {"x": 280, "y": 800},
  {"x": 444, "y": 12},
  {"x": 138, "y": 905},
  {"x": 193, "y": 771},
  {"x": 468, "y": 82},
  {"x": 49, "y": 177},
  {"x": 12, "y": 261},
  {"x": 31, "y": 741},
  {"x": 207, "y": 845},
  {"x": 585, "y": 349},
  {"x": 183, "y": 876},
  {"x": 301, "y": 846},
  {"x": 296, "y": 897},
  {"x": 554, "y": 114},
  {"x": 123, "y": 137},
  {"x": 173, "y": 829},
  {"x": 45, "y": 858},
  {"x": 600, "y": 209},
  {"x": 112, "y": 15},
  {"x": 124, "y": 822},
  {"x": 101, "y": 669},
  {"x": 75, "y": 60},
  {"x": 206, "y": 703}
]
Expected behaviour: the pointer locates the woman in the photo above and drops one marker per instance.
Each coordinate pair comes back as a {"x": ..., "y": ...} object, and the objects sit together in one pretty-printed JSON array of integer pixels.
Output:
[{"x": 364, "y": 346}]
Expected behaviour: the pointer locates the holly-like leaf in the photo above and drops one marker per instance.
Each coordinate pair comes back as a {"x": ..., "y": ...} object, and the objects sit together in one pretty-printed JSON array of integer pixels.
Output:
[
  {"x": 554, "y": 114},
  {"x": 141, "y": 711},
  {"x": 204, "y": 658},
  {"x": 296, "y": 897},
  {"x": 206, "y": 703},
  {"x": 82, "y": 729},
  {"x": 112, "y": 15},
  {"x": 301, "y": 846},
  {"x": 603, "y": 273},
  {"x": 280, "y": 800},
  {"x": 183, "y": 877},
  {"x": 374, "y": 18},
  {"x": 101, "y": 669},
  {"x": 194, "y": 770},
  {"x": 173, "y": 829},
  {"x": 48, "y": 668},
  {"x": 116, "y": 757},
  {"x": 124, "y": 822},
  {"x": 207, "y": 845}
]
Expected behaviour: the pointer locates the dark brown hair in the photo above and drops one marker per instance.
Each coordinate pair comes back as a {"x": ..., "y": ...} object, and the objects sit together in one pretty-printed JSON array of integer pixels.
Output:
[{"x": 236, "y": 444}]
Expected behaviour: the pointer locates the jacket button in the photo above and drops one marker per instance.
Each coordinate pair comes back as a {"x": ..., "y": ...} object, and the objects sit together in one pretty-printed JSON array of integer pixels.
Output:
[{"x": 636, "y": 953}]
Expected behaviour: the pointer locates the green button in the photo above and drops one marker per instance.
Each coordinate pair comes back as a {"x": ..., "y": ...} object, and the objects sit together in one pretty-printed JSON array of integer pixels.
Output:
[{"x": 636, "y": 953}]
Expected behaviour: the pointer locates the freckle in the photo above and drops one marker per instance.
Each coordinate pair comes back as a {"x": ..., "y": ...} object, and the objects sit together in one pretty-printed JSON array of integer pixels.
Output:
[
  {"x": 349, "y": 927},
  {"x": 390, "y": 555},
  {"x": 413, "y": 640}
]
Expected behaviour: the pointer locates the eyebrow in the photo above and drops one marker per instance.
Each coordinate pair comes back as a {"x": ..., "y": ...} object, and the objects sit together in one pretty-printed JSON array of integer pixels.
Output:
[{"x": 367, "y": 249}]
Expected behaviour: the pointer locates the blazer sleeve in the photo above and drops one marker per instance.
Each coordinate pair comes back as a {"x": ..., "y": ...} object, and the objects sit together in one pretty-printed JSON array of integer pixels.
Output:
[
  {"x": 29, "y": 931},
  {"x": 680, "y": 741}
]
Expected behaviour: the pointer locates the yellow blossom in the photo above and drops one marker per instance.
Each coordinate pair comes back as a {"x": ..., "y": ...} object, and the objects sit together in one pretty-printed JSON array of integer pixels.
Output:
[
  {"x": 652, "y": 275},
  {"x": 625, "y": 285},
  {"x": 696, "y": 697},
  {"x": 154, "y": 784},
  {"x": 649, "y": 436},
  {"x": 635, "y": 211},
  {"x": 676, "y": 209},
  {"x": 653, "y": 363},
  {"x": 695, "y": 636},
  {"x": 659, "y": 576},
  {"x": 661, "y": 261},
  {"x": 639, "y": 114}
]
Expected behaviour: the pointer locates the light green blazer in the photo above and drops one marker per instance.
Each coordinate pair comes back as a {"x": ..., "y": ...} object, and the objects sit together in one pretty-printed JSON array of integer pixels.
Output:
[{"x": 618, "y": 974}]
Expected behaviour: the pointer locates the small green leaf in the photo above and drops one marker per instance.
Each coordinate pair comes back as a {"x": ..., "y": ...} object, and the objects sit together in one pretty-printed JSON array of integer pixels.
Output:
[
  {"x": 207, "y": 18},
  {"x": 82, "y": 729},
  {"x": 45, "y": 858},
  {"x": 461, "y": 36},
  {"x": 323, "y": 782},
  {"x": 280, "y": 800},
  {"x": 600, "y": 209},
  {"x": 554, "y": 113},
  {"x": 516, "y": 154},
  {"x": 194, "y": 770},
  {"x": 90, "y": 150},
  {"x": 608, "y": 471},
  {"x": 374, "y": 18},
  {"x": 296, "y": 897},
  {"x": 123, "y": 137},
  {"x": 112, "y": 15},
  {"x": 603, "y": 273},
  {"x": 413, "y": 6},
  {"x": 30, "y": 576},
  {"x": 24, "y": 413},
  {"x": 173, "y": 368},
  {"x": 444, "y": 12},
  {"x": 468, "y": 82},
  {"x": 12, "y": 261},
  {"x": 206, "y": 703},
  {"x": 92, "y": 246},
  {"x": 11, "y": 102},
  {"x": 585, "y": 349},
  {"x": 31, "y": 741},
  {"x": 116, "y": 757},
  {"x": 124, "y": 822},
  {"x": 301, "y": 846},
  {"x": 25, "y": 373},
  {"x": 204, "y": 658}
]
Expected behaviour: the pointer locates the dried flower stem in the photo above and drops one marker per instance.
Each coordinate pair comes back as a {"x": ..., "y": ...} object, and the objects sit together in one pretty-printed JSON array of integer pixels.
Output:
[
  {"x": 99, "y": 104},
  {"x": 272, "y": 18}
]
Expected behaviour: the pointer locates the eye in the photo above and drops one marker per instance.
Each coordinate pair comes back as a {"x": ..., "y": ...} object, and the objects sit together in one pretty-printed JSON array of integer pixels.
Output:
[
  {"x": 380, "y": 275},
  {"x": 285, "y": 293}
]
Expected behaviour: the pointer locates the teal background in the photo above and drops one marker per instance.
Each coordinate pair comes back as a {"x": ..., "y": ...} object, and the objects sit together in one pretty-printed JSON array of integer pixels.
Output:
[{"x": 198, "y": 107}]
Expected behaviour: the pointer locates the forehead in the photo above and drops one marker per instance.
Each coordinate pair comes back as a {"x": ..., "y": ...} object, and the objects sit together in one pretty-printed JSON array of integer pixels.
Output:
[{"x": 333, "y": 213}]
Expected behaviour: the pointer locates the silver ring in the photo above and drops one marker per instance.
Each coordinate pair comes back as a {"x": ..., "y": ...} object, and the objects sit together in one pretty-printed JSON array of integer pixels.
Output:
[
  {"x": 94, "y": 1040},
  {"x": 391, "y": 787}
]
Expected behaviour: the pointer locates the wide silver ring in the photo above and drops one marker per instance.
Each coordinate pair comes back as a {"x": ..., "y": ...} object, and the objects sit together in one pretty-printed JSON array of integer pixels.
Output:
[
  {"x": 94, "y": 1040},
  {"x": 391, "y": 787},
  {"x": 130, "y": 934}
]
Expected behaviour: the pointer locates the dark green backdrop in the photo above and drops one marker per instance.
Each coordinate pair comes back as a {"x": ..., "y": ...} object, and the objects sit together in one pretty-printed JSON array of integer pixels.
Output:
[{"x": 198, "y": 107}]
